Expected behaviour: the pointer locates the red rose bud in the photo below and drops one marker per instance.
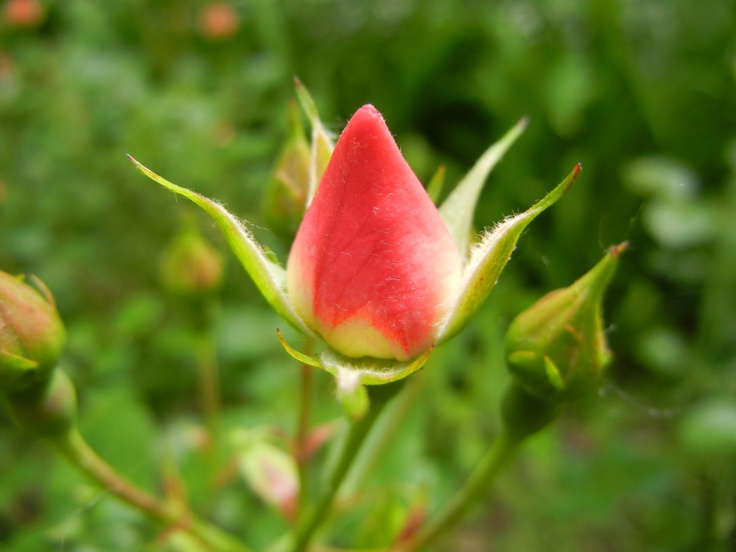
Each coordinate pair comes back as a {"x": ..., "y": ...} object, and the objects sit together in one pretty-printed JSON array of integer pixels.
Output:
[
  {"x": 375, "y": 269},
  {"x": 373, "y": 266},
  {"x": 557, "y": 348},
  {"x": 191, "y": 267},
  {"x": 286, "y": 193},
  {"x": 32, "y": 335}
]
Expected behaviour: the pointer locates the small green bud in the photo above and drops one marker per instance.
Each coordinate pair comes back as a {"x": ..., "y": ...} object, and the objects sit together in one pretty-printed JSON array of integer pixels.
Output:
[
  {"x": 557, "y": 348},
  {"x": 47, "y": 409},
  {"x": 285, "y": 197},
  {"x": 191, "y": 267},
  {"x": 32, "y": 335}
]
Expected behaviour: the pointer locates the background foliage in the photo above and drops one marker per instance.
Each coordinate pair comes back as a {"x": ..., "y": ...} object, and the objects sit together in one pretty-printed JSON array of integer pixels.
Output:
[{"x": 642, "y": 93}]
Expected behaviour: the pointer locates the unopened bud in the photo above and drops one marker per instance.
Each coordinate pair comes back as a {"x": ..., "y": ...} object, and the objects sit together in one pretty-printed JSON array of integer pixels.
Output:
[
  {"x": 32, "y": 335},
  {"x": 557, "y": 348},
  {"x": 286, "y": 193},
  {"x": 191, "y": 267}
]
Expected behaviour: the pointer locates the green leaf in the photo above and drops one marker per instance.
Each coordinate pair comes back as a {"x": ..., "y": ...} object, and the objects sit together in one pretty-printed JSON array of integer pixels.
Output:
[
  {"x": 489, "y": 257},
  {"x": 457, "y": 210},
  {"x": 322, "y": 142},
  {"x": 269, "y": 277}
]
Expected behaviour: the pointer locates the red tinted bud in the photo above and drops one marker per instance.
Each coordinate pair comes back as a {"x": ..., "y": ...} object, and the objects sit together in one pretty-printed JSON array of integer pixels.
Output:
[
  {"x": 373, "y": 268},
  {"x": 32, "y": 335},
  {"x": 191, "y": 266}
]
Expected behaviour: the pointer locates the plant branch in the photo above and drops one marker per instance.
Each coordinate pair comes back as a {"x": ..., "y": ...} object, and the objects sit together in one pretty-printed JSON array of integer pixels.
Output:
[
  {"x": 72, "y": 446},
  {"x": 312, "y": 519}
]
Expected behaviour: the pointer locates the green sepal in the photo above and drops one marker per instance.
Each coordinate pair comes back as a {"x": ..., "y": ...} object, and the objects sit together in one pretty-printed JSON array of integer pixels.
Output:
[
  {"x": 457, "y": 210},
  {"x": 9, "y": 360},
  {"x": 296, "y": 355},
  {"x": 365, "y": 371},
  {"x": 371, "y": 371},
  {"x": 322, "y": 142},
  {"x": 553, "y": 374},
  {"x": 436, "y": 184},
  {"x": 268, "y": 275},
  {"x": 489, "y": 257},
  {"x": 285, "y": 195}
]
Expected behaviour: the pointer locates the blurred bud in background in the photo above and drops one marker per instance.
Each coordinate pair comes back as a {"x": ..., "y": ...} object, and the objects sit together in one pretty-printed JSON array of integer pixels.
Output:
[
  {"x": 557, "y": 348},
  {"x": 23, "y": 13},
  {"x": 32, "y": 335},
  {"x": 286, "y": 193},
  {"x": 218, "y": 21},
  {"x": 191, "y": 267}
]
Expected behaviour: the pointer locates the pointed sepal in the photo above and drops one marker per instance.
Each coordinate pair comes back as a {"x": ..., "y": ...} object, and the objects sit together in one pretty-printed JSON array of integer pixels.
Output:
[
  {"x": 364, "y": 371},
  {"x": 322, "y": 140},
  {"x": 371, "y": 371},
  {"x": 489, "y": 257},
  {"x": 457, "y": 210},
  {"x": 436, "y": 184},
  {"x": 269, "y": 277},
  {"x": 285, "y": 196}
]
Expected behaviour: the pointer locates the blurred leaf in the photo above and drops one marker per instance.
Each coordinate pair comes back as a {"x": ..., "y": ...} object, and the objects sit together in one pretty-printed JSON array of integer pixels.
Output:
[{"x": 709, "y": 428}]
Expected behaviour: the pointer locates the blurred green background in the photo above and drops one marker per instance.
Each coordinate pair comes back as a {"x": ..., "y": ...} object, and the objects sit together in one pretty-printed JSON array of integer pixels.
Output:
[{"x": 642, "y": 93}]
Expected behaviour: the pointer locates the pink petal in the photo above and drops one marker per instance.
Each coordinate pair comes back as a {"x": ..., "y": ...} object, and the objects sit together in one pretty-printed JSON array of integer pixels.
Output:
[{"x": 373, "y": 264}]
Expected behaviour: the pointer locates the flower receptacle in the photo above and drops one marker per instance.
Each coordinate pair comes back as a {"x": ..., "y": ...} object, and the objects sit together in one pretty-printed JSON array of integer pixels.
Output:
[{"x": 46, "y": 409}]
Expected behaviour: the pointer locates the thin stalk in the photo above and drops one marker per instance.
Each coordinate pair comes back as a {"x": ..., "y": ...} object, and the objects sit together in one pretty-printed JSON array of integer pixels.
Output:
[
  {"x": 209, "y": 391},
  {"x": 312, "y": 519},
  {"x": 522, "y": 415},
  {"x": 480, "y": 481},
  {"x": 301, "y": 442},
  {"x": 384, "y": 433},
  {"x": 77, "y": 451},
  {"x": 209, "y": 381}
]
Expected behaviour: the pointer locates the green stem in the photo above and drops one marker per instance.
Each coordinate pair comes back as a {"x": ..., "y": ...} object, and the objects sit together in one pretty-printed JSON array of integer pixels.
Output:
[
  {"x": 496, "y": 458},
  {"x": 384, "y": 433},
  {"x": 209, "y": 390},
  {"x": 312, "y": 519},
  {"x": 522, "y": 415},
  {"x": 301, "y": 445},
  {"x": 72, "y": 446}
]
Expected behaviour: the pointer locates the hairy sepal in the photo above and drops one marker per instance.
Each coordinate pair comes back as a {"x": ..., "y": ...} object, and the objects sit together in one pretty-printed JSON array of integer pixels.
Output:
[
  {"x": 269, "y": 277},
  {"x": 489, "y": 257}
]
